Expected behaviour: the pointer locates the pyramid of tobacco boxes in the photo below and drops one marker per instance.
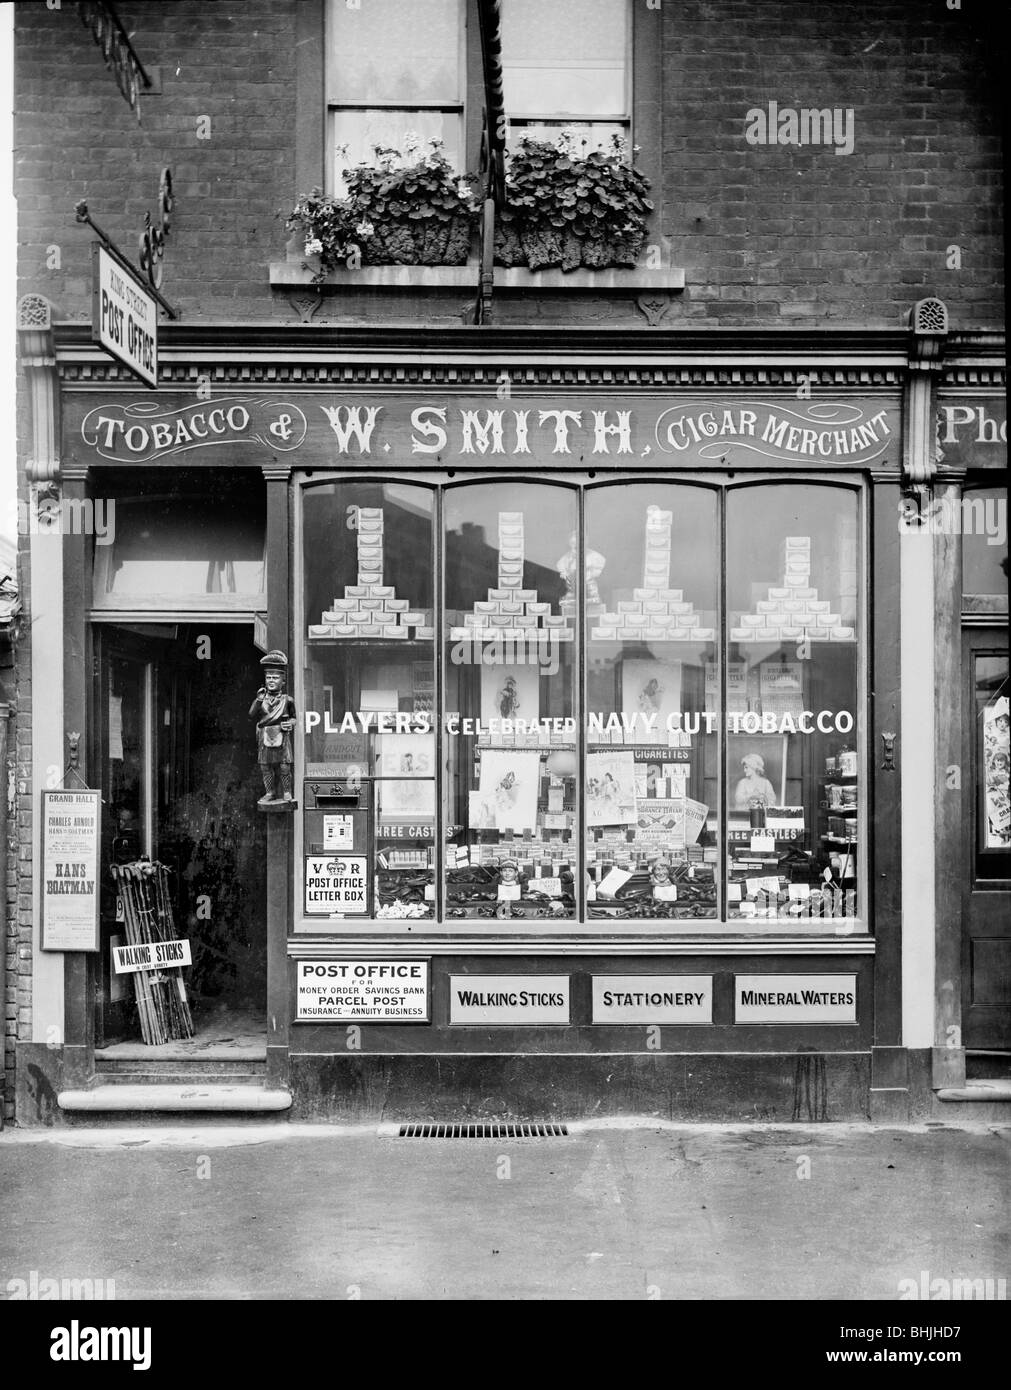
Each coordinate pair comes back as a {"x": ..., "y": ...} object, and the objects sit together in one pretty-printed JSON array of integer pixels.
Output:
[
  {"x": 510, "y": 611},
  {"x": 655, "y": 612},
  {"x": 371, "y": 608},
  {"x": 793, "y": 611}
]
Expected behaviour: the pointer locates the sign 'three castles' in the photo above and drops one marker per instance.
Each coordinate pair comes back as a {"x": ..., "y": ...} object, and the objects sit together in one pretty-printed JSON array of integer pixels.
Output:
[{"x": 720, "y": 432}]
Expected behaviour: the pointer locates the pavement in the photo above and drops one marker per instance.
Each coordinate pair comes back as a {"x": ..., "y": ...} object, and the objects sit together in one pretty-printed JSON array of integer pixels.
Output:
[{"x": 613, "y": 1211}]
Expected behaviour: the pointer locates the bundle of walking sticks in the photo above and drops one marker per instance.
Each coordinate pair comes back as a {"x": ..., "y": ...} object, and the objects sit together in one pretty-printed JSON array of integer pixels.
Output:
[{"x": 162, "y": 1005}]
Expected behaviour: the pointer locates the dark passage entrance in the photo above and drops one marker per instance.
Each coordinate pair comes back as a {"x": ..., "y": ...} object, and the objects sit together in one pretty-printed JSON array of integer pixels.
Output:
[{"x": 177, "y": 759}]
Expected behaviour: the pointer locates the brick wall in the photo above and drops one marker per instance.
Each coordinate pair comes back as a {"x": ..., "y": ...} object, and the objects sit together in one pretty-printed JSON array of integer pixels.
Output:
[
  {"x": 771, "y": 233},
  {"x": 766, "y": 233},
  {"x": 76, "y": 137}
]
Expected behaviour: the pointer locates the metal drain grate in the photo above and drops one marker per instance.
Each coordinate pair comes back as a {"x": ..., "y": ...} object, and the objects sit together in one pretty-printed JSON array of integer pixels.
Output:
[{"x": 489, "y": 1131}]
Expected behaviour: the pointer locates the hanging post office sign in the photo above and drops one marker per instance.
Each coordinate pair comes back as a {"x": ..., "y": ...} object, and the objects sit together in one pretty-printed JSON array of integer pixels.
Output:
[
  {"x": 362, "y": 991},
  {"x": 71, "y": 822},
  {"x": 124, "y": 316}
]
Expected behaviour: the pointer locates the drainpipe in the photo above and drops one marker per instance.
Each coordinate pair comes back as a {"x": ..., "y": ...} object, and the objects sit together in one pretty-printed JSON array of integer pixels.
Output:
[{"x": 5, "y": 711}]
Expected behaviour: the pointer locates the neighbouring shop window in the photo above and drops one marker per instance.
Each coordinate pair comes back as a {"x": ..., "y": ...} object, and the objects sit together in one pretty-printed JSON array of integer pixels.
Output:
[
  {"x": 636, "y": 702},
  {"x": 993, "y": 758},
  {"x": 983, "y": 525},
  {"x": 394, "y": 69},
  {"x": 172, "y": 552},
  {"x": 565, "y": 66}
]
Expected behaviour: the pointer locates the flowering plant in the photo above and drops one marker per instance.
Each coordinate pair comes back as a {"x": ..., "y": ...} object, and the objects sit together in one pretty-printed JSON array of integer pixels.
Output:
[
  {"x": 568, "y": 204},
  {"x": 402, "y": 209}
]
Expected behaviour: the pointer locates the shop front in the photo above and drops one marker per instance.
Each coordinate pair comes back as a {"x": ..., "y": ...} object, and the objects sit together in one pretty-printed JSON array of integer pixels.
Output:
[{"x": 589, "y": 714}]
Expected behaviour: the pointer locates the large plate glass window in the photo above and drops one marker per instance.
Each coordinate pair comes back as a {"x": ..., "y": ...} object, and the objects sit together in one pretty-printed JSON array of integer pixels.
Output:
[
  {"x": 796, "y": 813},
  {"x": 369, "y": 678},
  {"x": 651, "y": 582},
  {"x": 512, "y": 591},
  {"x": 394, "y": 69}
]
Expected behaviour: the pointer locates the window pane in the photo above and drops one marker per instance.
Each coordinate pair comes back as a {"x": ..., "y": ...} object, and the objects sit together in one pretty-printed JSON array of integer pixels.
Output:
[
  {"x": 652, "y": 762},
  {"x": 179, "y": 549},
  {"x": 356, "y": 133},
  {"x": 511, "y": 784},
  {"x": 795, "y": 803},
  {"x": 567, "y": 57},
  {"x": 984, "y": 541},
  {"x": 394, "y": 50},
  {"x": 587, "y": 136},
  {"x": 993, "y": 821},
  {"x": 368, "y": 660}
]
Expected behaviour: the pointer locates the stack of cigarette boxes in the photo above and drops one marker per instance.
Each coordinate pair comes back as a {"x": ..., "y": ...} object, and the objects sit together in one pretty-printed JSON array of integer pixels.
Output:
[
  {"x": 793, "y": 610},
  {"x": 656, "y": 612},
  {"x": 511, "y": 612},
  {"x": 371, "y": 608}
]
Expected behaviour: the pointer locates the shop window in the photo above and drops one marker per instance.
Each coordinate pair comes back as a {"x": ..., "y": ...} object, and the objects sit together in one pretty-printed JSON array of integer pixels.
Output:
[
  {"x": 638, "y": 703},
  {"x": 511, "y": 786},
  {"x": 565, "y": 67},
  {"x": 394, "y": 70},
  {"x": 369, "y": 683},
  {"x": 651, "y": 575},
  {"x": 795, "y": 819},
  {"x": 983, "y": 525},
  {"x": 177, "y": 554}
]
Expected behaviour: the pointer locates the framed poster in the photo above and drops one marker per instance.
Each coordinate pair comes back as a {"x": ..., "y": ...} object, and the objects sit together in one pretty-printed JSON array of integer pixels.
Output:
[
  {"x": 510, "y": 692},
  {"x": 652, "y": 689},
  {"x": 71, "y": 825},
  {"x": 756, "y": 767},
  {"x": 409, "y": 758},
  {"x": 508, "y": 788}
]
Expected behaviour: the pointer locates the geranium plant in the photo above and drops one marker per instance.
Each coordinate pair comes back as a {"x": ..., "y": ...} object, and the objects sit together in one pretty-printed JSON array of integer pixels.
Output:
[
  {"x": 569, "y": 204},
  {"x": 405, "y": 209}
]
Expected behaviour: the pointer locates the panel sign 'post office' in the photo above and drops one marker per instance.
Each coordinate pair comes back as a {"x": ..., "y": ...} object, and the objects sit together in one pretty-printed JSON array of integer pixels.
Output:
[
  {"x": 124, "y": 316},
  {"x": 362, "y": 991},
  {"x": 70, "y": 836}
]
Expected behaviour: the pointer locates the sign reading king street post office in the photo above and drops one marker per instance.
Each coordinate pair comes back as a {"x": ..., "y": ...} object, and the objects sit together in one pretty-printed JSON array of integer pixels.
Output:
[
  {"x": 70, "y": 835},
  {"x": 124, "y": 316},
  {"x": 362, "y": 991}
]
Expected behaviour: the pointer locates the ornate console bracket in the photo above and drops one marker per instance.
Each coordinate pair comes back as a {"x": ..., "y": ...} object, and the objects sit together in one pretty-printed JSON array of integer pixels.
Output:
[
  {"x": 921, "y": 454},
  {"x": 38, "y": 358}
]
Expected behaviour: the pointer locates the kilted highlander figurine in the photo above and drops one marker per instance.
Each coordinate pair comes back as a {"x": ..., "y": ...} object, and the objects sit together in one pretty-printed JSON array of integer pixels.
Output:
[{"x": 274, "y": 712}]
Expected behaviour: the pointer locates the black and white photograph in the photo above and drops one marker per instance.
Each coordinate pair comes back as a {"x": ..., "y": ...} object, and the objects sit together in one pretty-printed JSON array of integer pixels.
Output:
[{"x": 503, "y": 673}]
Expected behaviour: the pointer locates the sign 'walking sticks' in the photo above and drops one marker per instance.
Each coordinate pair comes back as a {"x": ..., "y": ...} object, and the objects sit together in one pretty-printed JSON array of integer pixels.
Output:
[{"x": 153, "y": 953}]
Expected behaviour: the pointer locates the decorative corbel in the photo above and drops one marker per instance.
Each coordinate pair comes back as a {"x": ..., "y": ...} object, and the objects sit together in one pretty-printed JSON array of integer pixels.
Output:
[
  {"x": 38, "y": 358},
  {"x": 921, "y": 455}
]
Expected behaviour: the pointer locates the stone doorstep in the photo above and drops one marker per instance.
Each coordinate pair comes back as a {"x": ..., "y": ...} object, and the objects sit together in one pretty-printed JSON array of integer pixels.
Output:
[
  {"x": 992, "y": 1092},
  {"x": 161, "y": 1098}
]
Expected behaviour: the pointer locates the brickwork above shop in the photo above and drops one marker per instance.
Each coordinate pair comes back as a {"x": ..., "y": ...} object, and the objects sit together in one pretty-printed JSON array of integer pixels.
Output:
[{"x": 763, "y": 234}]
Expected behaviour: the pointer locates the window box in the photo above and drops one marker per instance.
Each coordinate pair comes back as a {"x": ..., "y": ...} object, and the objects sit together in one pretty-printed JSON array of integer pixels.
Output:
[{"x": 293, "y": 274}]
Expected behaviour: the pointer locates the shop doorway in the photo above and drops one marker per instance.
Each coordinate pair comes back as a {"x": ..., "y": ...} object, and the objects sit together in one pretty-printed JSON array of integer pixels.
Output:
[
  {"x": 986, "y": 972},
  {"x": 175, "y": 757}
]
